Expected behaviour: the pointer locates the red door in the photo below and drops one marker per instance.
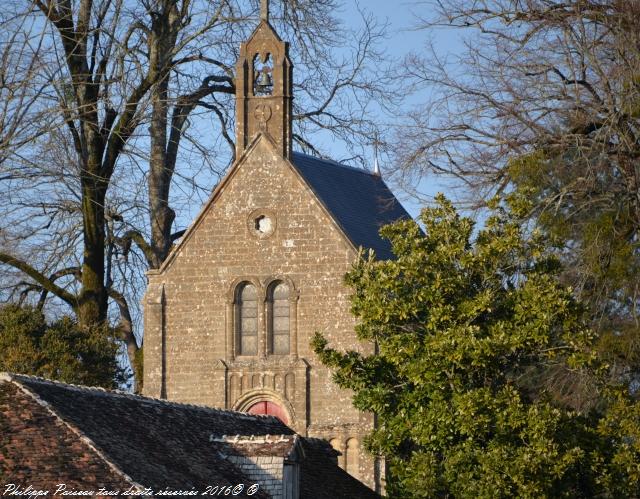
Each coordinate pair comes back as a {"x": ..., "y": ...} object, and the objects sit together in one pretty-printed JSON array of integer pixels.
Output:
[{"x": 269, "y": 408}]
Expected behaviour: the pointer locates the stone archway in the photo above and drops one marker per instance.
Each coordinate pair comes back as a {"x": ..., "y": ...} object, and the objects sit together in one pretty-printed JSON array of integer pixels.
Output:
[{"x": 265, "y": 401}]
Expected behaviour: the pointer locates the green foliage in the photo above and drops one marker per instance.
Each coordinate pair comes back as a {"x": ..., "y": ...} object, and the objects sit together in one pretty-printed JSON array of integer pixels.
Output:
[
  {"x": 463, "y": 328},
  {"x": 618, "y": 433},
  {"x": 597, "y": 230},
  {"x": 61, "y": 350}
]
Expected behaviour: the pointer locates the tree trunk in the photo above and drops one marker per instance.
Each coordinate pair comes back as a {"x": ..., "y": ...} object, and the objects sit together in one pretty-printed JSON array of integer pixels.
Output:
[
  {"x": 161, "y": 46},
  {"x": 92, "y": 300},
  {"x": 160, "y": 174}
]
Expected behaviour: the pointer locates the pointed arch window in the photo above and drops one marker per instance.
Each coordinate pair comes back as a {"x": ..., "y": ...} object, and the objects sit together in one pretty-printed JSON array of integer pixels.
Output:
[
  {"x": 279, "y": 327},
  {"x": 247, "y": 323}
]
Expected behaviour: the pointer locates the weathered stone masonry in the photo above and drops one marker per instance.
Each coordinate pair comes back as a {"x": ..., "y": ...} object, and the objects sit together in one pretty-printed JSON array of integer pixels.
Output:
[
  {"x": 189, "y": 351},
  {"x": 216, "y": 331}
]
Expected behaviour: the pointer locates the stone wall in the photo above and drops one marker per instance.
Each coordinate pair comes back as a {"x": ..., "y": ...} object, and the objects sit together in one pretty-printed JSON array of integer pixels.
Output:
[{"x": 190, "y": 353}]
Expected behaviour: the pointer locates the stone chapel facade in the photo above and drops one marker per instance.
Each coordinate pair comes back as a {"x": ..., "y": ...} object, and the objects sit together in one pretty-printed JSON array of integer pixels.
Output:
[{"x": 230, "y": 314}]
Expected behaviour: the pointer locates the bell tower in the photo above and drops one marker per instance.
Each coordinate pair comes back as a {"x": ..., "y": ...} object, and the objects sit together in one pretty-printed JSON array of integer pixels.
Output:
[{"x": 264, "y": 88}]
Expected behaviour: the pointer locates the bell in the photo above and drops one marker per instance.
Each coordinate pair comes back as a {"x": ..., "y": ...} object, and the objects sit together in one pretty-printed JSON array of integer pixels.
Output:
[{"x": 264, "y": 81}]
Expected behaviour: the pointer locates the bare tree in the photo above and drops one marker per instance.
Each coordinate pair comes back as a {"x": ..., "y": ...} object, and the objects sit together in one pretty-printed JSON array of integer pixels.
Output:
[
  {"x": 544, "y": 97},
  {"x": 21, "y": 86},
  {"x": 533, "y": 74},
  {"x": 99, "y": 121},
  {"x": 126, "y": 85}
]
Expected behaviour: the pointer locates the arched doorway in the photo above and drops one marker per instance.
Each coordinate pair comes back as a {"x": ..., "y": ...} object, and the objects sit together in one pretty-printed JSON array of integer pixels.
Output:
[{"x": 269, "y": 408}]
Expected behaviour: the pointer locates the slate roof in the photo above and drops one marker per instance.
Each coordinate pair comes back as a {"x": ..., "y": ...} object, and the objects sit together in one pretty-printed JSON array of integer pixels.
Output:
[
  {"x": 359, "y": 201},
  {"x": 160, "y": 444}
]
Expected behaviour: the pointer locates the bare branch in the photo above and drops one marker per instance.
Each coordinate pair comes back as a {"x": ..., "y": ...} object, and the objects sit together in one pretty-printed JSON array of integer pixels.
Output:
[{"x": 41, "y": 279}]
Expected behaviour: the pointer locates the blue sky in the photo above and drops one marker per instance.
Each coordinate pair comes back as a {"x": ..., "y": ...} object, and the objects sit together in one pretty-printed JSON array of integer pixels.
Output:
[{"x": 404, "y": 38}]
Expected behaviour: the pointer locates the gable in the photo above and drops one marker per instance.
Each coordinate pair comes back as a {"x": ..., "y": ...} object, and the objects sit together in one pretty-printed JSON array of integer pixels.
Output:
[
  {"x": 261, "y": 179},
  {"x": 357, "y": 203}
]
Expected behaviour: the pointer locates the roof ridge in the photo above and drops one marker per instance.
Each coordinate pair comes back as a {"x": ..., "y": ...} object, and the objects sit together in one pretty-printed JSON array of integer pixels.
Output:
[
  {"x": 333, "y": 162},
  {"x": 97, "y": 390}
]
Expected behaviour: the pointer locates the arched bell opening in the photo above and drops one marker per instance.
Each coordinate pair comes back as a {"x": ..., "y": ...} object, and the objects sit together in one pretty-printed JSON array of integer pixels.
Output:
[{"x": 262, "y": 75}]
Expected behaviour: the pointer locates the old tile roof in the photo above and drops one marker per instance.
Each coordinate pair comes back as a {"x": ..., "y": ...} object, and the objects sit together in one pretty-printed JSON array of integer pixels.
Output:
[
  {"x": 38, "y": 450},
  {"x": 156, "y": 443},
  {"x": 359, "y": 201},
  {"x": 160, "y": 444}
]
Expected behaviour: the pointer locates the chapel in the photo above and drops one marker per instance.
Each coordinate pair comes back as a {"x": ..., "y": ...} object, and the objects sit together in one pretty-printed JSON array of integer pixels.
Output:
[{"x": 230, "y": 314}]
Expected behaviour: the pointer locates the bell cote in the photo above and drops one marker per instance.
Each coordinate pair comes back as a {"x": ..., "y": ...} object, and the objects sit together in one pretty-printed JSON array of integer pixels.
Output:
[{"x": 264, "y": 88}]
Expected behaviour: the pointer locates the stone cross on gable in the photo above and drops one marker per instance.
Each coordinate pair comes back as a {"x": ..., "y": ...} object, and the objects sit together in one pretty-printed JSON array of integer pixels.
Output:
[{"x": 264, "y": 10}]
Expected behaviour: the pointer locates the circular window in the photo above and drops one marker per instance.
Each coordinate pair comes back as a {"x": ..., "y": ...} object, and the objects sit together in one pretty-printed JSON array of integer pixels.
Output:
[{"x": 262, "y": 223}]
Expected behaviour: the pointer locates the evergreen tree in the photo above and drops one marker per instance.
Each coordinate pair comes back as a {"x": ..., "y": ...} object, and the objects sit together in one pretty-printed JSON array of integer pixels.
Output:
[
  {"x": 62, "y": 350},
  {"x": 467, "y": 329}
]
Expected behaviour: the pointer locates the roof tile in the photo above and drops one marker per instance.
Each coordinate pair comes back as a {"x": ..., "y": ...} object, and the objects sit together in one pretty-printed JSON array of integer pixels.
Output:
[{"x": 167, "y": 445}]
